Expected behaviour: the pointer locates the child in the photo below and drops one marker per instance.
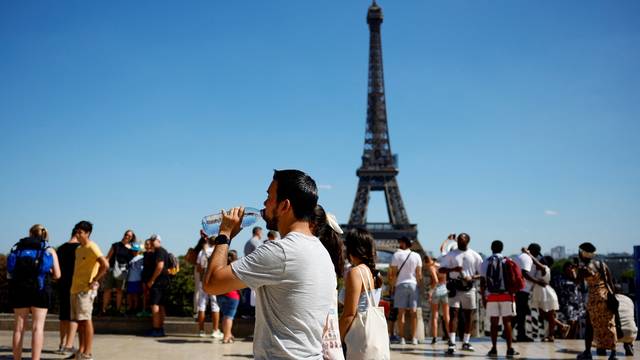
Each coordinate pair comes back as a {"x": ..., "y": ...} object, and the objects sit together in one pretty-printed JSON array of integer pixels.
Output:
[{"x": 134, "y": 278}]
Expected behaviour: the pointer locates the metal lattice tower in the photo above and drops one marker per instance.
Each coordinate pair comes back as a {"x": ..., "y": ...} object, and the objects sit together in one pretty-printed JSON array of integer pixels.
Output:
[{"x": 379, "y": 166}]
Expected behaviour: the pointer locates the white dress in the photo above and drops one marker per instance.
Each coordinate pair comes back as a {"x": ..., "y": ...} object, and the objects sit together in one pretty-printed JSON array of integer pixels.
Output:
[{"x": 544, "y": 298}]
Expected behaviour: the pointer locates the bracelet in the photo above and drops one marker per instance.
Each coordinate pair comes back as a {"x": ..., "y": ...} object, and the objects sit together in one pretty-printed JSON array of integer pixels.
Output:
[{"x": 222, "y": 240}]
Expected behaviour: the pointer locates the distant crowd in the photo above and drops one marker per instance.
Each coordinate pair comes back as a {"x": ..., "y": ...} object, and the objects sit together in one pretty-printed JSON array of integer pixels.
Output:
[{"x": 290, "y": 285}]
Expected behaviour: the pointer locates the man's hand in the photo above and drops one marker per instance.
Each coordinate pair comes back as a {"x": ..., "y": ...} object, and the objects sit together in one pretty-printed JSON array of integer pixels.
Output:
[{"x": 231, "y": 221}]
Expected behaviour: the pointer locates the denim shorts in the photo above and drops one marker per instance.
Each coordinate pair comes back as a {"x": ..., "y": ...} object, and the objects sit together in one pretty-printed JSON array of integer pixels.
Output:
[
  {"x": 406, "y": 296},
  {"x": 228, "y": 306}
]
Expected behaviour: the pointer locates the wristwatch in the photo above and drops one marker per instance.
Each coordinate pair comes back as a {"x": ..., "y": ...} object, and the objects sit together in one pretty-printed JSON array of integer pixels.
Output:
[{"x": 222, "y": 240}]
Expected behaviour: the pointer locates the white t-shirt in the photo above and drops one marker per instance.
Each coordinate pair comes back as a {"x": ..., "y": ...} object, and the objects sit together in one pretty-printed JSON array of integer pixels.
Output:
[
  {"x": 526, "y": 264},
  {"x": 469, "y": 260},
  {"x": 295, "y": 283},
  {"x": 407, "y": 274},
  {"x": 203, "y": 259}
]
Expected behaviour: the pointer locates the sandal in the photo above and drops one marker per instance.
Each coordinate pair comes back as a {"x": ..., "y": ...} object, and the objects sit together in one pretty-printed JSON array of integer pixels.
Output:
[
  {"x": 227, "y": 341},
  {"x": 565, "y": 331}
]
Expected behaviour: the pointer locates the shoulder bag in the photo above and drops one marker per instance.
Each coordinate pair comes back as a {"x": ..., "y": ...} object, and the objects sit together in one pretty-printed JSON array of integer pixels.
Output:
[{"x": 367, "y": 338}]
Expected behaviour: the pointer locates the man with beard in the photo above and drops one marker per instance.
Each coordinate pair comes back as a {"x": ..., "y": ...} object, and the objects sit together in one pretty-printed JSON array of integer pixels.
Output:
[{"x": 293, "y": 277}]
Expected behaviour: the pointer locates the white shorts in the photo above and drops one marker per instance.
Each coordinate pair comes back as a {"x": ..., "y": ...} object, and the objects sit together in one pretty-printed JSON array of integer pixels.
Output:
[
  {"x": 203, "y": 298},
  {"x": 464, "y": 299},
  {"x": 501, "y": 308}
]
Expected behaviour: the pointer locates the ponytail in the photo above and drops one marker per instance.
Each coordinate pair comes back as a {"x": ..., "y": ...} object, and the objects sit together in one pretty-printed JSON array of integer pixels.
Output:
[{"x": 39, "y": 231}]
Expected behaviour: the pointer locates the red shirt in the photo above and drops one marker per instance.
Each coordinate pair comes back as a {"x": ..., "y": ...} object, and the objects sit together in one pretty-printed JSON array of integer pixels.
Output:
[{"x": 233, "y": 295}]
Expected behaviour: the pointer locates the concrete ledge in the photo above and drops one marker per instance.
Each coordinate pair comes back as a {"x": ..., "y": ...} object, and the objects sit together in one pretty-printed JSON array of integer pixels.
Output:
[{"x": 242, "y": 328}]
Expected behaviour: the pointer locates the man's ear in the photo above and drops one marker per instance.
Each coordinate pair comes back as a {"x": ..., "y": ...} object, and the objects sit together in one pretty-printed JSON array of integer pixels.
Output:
[{"x": 286, "y": 205}]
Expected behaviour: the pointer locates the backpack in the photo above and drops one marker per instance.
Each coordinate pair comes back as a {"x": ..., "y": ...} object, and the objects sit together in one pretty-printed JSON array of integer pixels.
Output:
[
  {"x": 495, "y": 275},
  {"x": 513, "y": 279},
  {"x": 29, "y": 263},
  {"x": 174, "y": 265}
]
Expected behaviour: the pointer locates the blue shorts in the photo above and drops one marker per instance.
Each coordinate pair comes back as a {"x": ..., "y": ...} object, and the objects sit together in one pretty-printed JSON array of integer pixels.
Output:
[
  {"x": 406, "y": 296},
  {"x": 228, "y": 306},
  {"x": 134, "y": 287}
]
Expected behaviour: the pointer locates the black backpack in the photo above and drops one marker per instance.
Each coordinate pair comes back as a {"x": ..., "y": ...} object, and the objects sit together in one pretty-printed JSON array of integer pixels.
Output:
[{"x": 495, "y": 275}]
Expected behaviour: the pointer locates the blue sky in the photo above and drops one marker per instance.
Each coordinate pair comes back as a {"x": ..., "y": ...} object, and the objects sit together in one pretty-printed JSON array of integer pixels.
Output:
[{"x": 512, "y": 120}]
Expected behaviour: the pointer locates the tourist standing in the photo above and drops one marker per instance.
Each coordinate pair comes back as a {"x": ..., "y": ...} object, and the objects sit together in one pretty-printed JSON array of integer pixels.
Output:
[
  {"x": 204, "y": 298},
  {"x": 405, "y": 273},
  {"x": 30, "y": 265},
  {"x": 360, "y": 283},
  {"x": 119, "y": 256},
  {"x": 67, "y": 258},
  {"x": 438, "y": 296},
  {"x": 134, "y": 278},
  {"x": 157, "y": 285},
  {"x": 601, "y": 319},
  {"x": 525, "y": 262},
  {"x": 254, "y": 242},
  {"x": 545, "y": 299},
  {"x": 148, "y": 267},
  {"x": 570, "y": 298},
  {"x": 462, "y": 266},
  {"x": 294, "y": 277},
  {"x": 228, "y": 303},
  {"x": 499, "y": 302},
  {"x": 90, "y": 267}
]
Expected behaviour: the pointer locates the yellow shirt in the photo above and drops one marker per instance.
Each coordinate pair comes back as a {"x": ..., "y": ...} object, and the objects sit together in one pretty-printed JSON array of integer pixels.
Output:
[{"x": 86, "y": 267}]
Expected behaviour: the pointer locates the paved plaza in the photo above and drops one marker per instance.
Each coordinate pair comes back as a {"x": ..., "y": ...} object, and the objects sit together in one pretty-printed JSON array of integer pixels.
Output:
[{"x": 194, "y": 348}]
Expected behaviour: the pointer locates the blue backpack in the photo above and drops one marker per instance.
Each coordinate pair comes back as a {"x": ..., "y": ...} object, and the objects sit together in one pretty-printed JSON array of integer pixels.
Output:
[{"x": 29, "y": 263}]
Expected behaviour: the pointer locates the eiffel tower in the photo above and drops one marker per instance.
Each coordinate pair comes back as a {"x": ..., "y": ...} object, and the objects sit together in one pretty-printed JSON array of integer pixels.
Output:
[{"x": 379, "y": 165}]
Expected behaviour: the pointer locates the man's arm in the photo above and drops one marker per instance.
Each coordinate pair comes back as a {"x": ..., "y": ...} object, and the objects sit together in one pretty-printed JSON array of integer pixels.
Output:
[
  {"x": 156, "y": 273},
  {"x": 419, "y": 275},
  {"x": 219, "y": 278},
  {"x": 102, "y": 271}
]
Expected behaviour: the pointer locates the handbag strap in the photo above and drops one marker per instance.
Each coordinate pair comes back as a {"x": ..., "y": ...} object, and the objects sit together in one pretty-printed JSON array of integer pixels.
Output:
[
  {"x": 365, "y": 287},
  {"x": 405, "y": 261},
  {"x": 605, "y": 278}
]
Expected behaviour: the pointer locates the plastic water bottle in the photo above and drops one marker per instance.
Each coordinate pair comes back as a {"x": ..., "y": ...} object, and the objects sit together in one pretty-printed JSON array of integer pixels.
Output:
[{"x": 211, "y": 223}]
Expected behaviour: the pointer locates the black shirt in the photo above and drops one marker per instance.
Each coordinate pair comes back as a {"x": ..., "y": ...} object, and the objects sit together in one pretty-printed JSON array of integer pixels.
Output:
[
  {"x": 160, "y": 254},
  {"x": 148, "y": 265},
  {"x": 66, "y": 259},
  {"x": 120, "y": 252}
]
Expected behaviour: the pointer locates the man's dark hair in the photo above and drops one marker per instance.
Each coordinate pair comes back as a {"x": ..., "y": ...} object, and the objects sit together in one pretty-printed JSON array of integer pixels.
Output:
[
  {"x": 301, "y": 191},
  {"x": 497, "y": 246},
  {"x": 535, "y": 248},
  {"x": 256, "y": 230},
  {"x": 84, "y": 226},
  {"x": 272, "y": 234},
  {"x": 405, "y": 240}
]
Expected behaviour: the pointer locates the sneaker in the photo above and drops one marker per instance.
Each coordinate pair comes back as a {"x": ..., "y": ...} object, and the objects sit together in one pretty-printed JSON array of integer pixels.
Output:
[
  {"x": 402, "y": 341},
  {"x": 75, "y": 355},
  {"x": 511, "y": 353},
  {"x": 68, "y": 351},
  {"x": 451, "y": 349},
  {"x": 414, "y": 341},
  {"x": 467, "y": 347},
  {"x": 217, "y": 334},
  {"x": 493, "y": 352},
  {"x": 394, "y": 339},
  {"x": 201, "y": 333},
  {"x": 59, "y": 351}
]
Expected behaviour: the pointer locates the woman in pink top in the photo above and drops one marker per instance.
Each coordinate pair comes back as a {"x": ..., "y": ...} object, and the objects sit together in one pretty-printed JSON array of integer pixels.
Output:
[{"x": 228, "y": 305}]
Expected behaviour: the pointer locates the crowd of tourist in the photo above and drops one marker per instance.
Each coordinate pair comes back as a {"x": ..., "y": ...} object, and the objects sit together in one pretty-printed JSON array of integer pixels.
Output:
[{"x": 290, "y": 285}]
